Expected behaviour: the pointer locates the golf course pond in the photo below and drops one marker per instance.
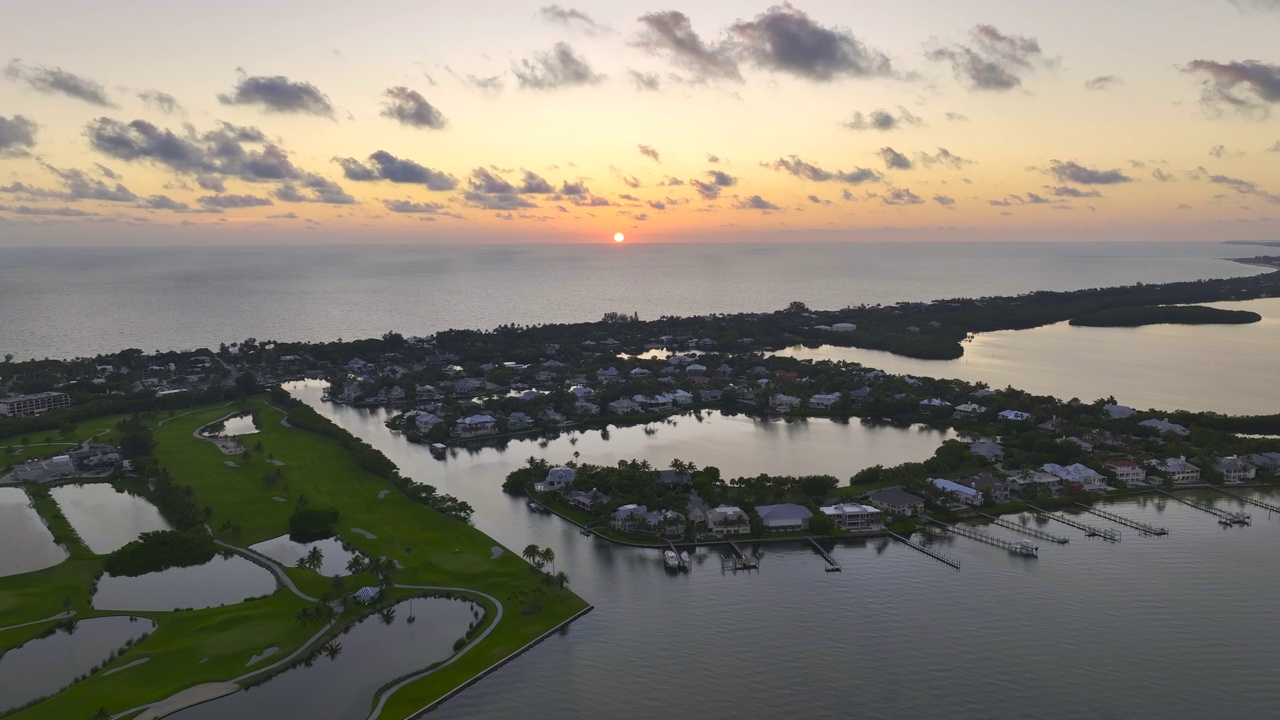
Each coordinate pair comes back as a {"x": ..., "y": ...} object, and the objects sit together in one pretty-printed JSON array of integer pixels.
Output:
[
  {"x": 288, "y": 552},
  {"x": 28, "y": 544},
  {"x": 221, "y": 581},
  {"x": 106, "y": 518},
  {"x": 47, "y": 664}
]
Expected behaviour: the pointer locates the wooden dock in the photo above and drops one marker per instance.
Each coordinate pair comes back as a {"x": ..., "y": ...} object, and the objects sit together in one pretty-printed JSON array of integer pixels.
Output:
[
  {"x": 1020, "y": 547},
  {"x": 832, "y": 565},
  {"x": 935, "y": 555},
  {"x": 739, "y": 560},
  {"x": 681, "y": 564},
  {"x": 1107, "y": 534},
  {"x": 1141, "y": 527},
  {"x": 1033, "y": 532},
  {"x": 1256, "y": 503},
  {"x": 1225, "y": 517}
]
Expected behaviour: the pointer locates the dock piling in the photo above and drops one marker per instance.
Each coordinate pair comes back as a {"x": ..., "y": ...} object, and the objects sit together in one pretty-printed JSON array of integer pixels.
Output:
[{"x": 1107, "y": 534}]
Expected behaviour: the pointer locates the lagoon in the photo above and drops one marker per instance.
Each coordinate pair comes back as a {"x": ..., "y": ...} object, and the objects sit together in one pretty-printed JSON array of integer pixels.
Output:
[
  {"x": 26, "y": 541},
  {"x": 105, "y": 518},
  {"x": 221, "y": 581},
  {"x": 45, "y": 665}
]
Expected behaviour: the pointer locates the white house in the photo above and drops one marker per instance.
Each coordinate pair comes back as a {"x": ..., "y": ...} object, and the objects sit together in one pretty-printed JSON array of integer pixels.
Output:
[
  {"x": 558, "y": 478},
  {"x": 695, "y": 369},
  {"x": 682, "y": 397},
  {"x": 608, "y": 375},
  {"x": 1234, "y": 470},
  {"x": 424, "y": 421},
  {"x": 623, "y": 406},
  {"x": 1091, "y": 479},
  {"x": 969, "y": 410},
  {"x": 1179, "y": 470},
  {"x": 896, "y": 500},
  {"x": 629, "y": 517},
  {"x": 728, "y": 520},
  {"x": 474, "y": 425},
  {"x": 1127, "y": 471},
  {"x": 518, "y": 421},
  {"x": 824, "y": 401},
  {"x": 641, "y": 373},
  {"x": 852, "y": 516},
  {"x": 783, "y": 403},
  {"x": 960, "y": 493},
  {"x": 1118, "y": 412},
  {"x": 1013, "y": 416}
]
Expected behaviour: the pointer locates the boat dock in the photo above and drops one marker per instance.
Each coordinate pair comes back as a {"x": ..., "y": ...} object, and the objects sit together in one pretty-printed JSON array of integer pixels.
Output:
[
  {"x": 1033, "y": 532},
  {"x": 738, "y": 560},
  {"x": 1016, "y": 547},
  {"x": 935, "y": 555},
  {"x": 1225, "y": 517},
  {"x": 1108, "y": 534},
  {"x": 681, "y": 563},
  {"x": 1256, "y": 503},
  {"x": 832, "y": 565},
  {"x": 1141, "y": 527}
]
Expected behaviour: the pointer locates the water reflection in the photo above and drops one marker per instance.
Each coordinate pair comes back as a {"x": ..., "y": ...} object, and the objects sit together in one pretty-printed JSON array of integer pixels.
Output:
[
  {"x": 46, "y": 665},
  {"x": 287, "y": 552},
  {"x": 26, "y": 541},
  {"x": 105, "y": 518},
  {"x": 221, "y": 581}
]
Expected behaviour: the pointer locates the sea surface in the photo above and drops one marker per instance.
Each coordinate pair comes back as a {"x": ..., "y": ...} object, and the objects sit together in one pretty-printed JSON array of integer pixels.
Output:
[
  {"x": 63, "y": 302},
  {"x": 1176, "y": 627}
]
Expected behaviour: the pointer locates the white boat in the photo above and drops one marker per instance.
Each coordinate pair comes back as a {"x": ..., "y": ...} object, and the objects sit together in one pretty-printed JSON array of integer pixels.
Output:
[
  {"x": 1025, "y": 547},
  {"x": 670, "y": 559},
  {"x": 684, "y": 558},
  {"x": 438, "y": 449}
]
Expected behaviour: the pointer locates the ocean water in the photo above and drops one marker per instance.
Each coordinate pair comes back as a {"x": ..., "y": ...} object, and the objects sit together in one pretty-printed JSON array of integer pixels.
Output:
[{"x": 68, "y": 302}]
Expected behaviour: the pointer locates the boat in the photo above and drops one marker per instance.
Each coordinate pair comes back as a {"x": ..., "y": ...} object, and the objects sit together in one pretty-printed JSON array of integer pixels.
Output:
[
  {"x": 684, "y": 558},
  {"x": 1024, "y": 547},
  {"x": 437, "y": 449},
  {"x": 670, "y": 559}
]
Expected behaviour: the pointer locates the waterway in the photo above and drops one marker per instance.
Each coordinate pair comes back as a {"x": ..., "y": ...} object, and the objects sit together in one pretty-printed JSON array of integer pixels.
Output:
[
  {"x": 26, "y": 541},
  {"x": 1221, "y": 368},
  {"x": 1175, "y": 627},
  {"x": 47, "y": 664},
  {"x": 221, "y": 581},
  {"x": 105, "y": 518},
  {"x": 377, "y": 649}
]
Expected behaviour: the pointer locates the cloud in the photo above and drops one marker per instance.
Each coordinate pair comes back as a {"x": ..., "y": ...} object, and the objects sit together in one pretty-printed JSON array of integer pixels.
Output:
[
  {"x": 283, "y": 216},
  {"x": 893, "y": 159},
  {"x": 649, "y": 152},
  {"x": 1066, "y": 191},
  {"x": 1102, "y": 82},
  {"x": 944, "y": 201},
  {"x": 485, "y": 181},
  {"x": 162, "y": 202},
  {"x": 1221, "y": 151},
  {"x": 943, "y": 157},
  {"x": 56, "y": 81},
  {"x": 991, "y": 60},
  {"x": 572, "y": 188},
  {"x": 901, "y": 196},
  {"x": 561, "y": 67},
  {"x": 671, "y": 34},
  {"x": 534, "y": 183},
  {"x": 492, "y": 83},
  {"x": 51, "y": 212},
  {"x": 1162, "y": 176},
  {"x": 385, "y": 166},
  {"x": 234, "y": 201},
  {"x": 162, "y": 101},
  {"x": 956, "y": 117},
  {"x": 645, "y": 81},
  {"x": 882, "y": 120},
  {"x": 708, "y": 191},
  {"x": 17, "y": 135},
  {"x": 1274, "y": 148},
  {"x": 754, "y": 202},
  {"x": 501, "y": 201},
  {"x": 590, "y": 201},
  {"x": 407, "y": 206},
  {"x": 671, "y": 181},
  {"x": 79, "y": 186},
  {"x": 1261, "y": 5},
  {"x": 572, "y": 17},
  {"x": 809, "y": 171},
  {"x": 323, "y": 190},
  {"x": 784, "y": 39},
  {"x": 1076, "y": 173},
  {"x": 408, "y": 107},
  {"x": 1249, "y": 86},
  {"x": 1000, "y": 203},
  {"x": 278, "y": 94},
  {"x": 1245, "y": 187},
  {"x": 721, "y": 178},
  {"x": 657, "y": 205}
]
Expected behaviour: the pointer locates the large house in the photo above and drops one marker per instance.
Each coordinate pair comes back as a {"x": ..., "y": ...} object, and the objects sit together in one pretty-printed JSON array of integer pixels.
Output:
[
  {"x": 1013, "y": 416},
  {"x": 960, "y": 493},
  {"x": 1127, "y": 471},
  {"x": 558, "y": 478},
  {"x": 999, "y": 490},
  {"x": 988, "y": 450},
  {"x": 1027, "y": 479},
  {"x": 968, "y": 410},
  {"x": 897, "y": 501},
  {"x": 824, "y": 401},
  {"x": 728, "y": 520},
  {"x": 852, "y": 516},
  {"x": 1178, "y": 470},
  {"x": 623, "y": 407},
  {"x": 1164, "y": 426},
  {"x": 588, "y": 500},
  {"x": 1234, "y": 470},
  {"x": 1087, "y": 477},
  {"x": 1269, "y": 460},
  {"x": 629, "y": 517},
  {"x": 783, "y": 403},
  {"x": 474, "y": 425},
  {"x": 786, "y": 517}
]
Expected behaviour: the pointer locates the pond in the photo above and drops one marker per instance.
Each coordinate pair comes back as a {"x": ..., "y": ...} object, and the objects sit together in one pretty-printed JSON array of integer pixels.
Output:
[
  {"x": 377, "y": 649},
  {"x": 221, "y": 581},
  {"x": 45, "y": 665},
  {"x": 239, "y": 425},
  {"x": 28, "y": 545},
  {"x": 287, "y": 552},
  {"x": 106, "y": 518}
]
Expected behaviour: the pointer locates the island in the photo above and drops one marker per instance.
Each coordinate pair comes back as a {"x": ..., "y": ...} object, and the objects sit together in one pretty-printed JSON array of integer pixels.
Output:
[{"x": 1165, "y": 315}]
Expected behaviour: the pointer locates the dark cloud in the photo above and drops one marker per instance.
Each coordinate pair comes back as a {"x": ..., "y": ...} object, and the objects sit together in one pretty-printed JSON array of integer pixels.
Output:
[
  {"x": 1032, "y": 199},
  {"x": 408, "y": 107},
  {"x": 671, "y": 181},
  {"x": 573, "y": 189},
  {"x": 279, "y": 94},
  {"x": 882, "y": 120},
  {"x": 1103, "y": 82},
  {"x": 590, "y": 201},
  {"x": 944, "y": 201},
  {"x": 991, "y": 60},
  {"x": 1067, "y": 191},
  {"x": 754, "y": 202},
  {"x": 649, "y": 152},
  {"x": 484, "y": 181},
  {"x": 1245, "y": 187},
  {"x": 323, "y": 190},
  {"x": 713, "y": 159},
  {"x": 79, "y": 186},
  {"x": 573, "y": 18},
  {"x": 901, "y": 196},
  {"x": 234, "y": 201},
  {"x": 162, "y": 202},
  {"x": 893, "y": 159},
  {"x": 500, "y": 201},
  {"x": 56, "y": 81},
  {"x": 645, "y": 81},
  {"x": 721, "y": 178},
  {"x": 846, "y": 195},
  {"x": 943, "y": 157},
  {"x": 162, "y": 101},
  {"x": 657, "y": 205},
  {"x": 956, "y": 117},
  {"x": 809, "y": 171},
  {"x": 561, "y": 67},
  {"x": 1000, "y": 203},
  {"x": 708, "y": 191},
  {"x": 670, "y": 33},
  {"x": 1074, "y": 172},
  {"x": 534, "y": 183},
  {"x": 632, "y": 181},
  {"x": 784, "y": 39},
  {"x": 1249, "y": 87},
  {"x": 1162, "y": 176},
  {"x": 1221, "y": 151},
  {"x": 383, "y": 165},
  {"x": 50, "y": 212},
  {"x": 17, "y": 135},
  {"x": 407, "y": 206},
  {"x": 492, "y": 83}
]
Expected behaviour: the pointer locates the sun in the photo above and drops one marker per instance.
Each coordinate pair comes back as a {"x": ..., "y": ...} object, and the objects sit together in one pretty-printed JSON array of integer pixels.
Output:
[{"x": 619, "y": 237}]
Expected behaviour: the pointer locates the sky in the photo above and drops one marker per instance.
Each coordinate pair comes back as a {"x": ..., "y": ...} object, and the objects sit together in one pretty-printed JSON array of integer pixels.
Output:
[{"x": 828, "y": 120}]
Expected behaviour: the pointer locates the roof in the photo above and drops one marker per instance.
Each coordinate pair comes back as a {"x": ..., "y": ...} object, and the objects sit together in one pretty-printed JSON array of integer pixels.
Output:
[
  {"x": 848, "y": 508},
  {"x": 561, "y": 474},
  {"x": 955, "y": 487},
  {"x": 783, "y": 514},
  {"x": 896, "y": 497}
]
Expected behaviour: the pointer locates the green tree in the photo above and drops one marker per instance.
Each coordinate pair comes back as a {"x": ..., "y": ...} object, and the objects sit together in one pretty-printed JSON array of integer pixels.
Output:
[
  {"x": 548, "y": 557},
  {"x": 531, "y": 554}
]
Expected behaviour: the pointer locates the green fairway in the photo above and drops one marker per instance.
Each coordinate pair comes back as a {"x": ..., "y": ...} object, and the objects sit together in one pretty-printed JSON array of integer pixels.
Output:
[{"x": 14, "y": 451}]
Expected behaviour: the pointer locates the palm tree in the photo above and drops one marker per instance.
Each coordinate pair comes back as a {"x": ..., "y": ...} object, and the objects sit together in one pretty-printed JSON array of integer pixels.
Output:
[
  {"x": 102, "y": 714},
  {"x": 332, "y": 649},
  {"x": 548, "y": 557},
  {"x": 304, "y": 616},
  {"x": 314, "y": 558},
  {"x": 531, "y": 554},
  {"x": 338, "y": 586},
  {"x": 356, "y": 565},
  {"x": 562, "y": 579}
]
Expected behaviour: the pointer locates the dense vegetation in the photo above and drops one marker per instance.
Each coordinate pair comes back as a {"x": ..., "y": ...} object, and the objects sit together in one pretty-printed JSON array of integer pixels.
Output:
[
  {"x": 309, "y": 524},
  {"x": 155, "y": 551},
  {"x": 1173, "y": 314}
]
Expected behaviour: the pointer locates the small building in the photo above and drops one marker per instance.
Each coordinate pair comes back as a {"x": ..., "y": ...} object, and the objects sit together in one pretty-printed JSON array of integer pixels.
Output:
[
  {"x": 641, "y": 373},
  {"x": 695, "y": 369},
  {"x": 682, "y": 397},
  {"x": 1013, "y": 416},
  {"x": 1127, "y": 471},
  {"x": 988, "y": 484},
  {"x": 934, "y": 403},
  {"x": 474, "y": 425},
  {"x": 852, "y": 516},
  {"x": 710, "y": 395},
  {"x": 728, "y": 520},
  {"x": 424, "y": 421},
  {"x": 582, "y": 407},
  {"x": 785, "y": 517},
  {"x": 35, "y": 404},
  {"x": 608, "y": 375},
  {"x": 1178, "y": 470},
  {"x": 366, "y": 595},
  {"x": 1028, "y": 479},
  {"x": 519, "y": 421},
  {"x": 558, "y": 478},
  {"x": 623, "y": 406},
  {"x": 897, "y": 501}
]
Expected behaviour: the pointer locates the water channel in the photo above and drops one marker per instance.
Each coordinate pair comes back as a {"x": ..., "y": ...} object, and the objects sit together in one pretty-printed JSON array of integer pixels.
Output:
[{"x": 221, "y": 581}]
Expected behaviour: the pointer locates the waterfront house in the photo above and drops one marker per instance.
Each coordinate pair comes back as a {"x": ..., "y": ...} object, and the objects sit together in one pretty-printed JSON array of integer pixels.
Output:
[
  {"x": 1234, "y": 470},
  {"x": 1164, "y": 426},
  {"x": 1029, "y": 478},
  {"x": 962, "y": 494},
  {"x": 1118, "y": 412},
  {"x": 785, "y": 517},
  {"x": 1090, "y": 479},
  {"x": 999, "y": 490},
  {"x": 558, "y": 478},
  {"x": 783, "y": 403},
  {"x": 588, "y": 501},
  {"x": 1013, "y": 416},
  {"x": 519, "y": 421},
  {"x": 852, "y": 516},
  {"x": 859, "y": 396},
  {"x": 682, "y": 397},
  {"x": 897, "y": 501},
  {"x": 1127, "y": 471},
  {"x": 582, "y": 407},
  {"x": 968, "y": 410},
  {"x": 474, "y": 425},
  {"x": 696, "y": 510},
  {"x": 1269, "y": 460},
  {"x": 629, "y": 517},
  {"x": 987, "y": 449},
  {"x": 623, "y": 406},
  {"x": 1178, "y": 470},
  {"x": 608, "y": 375},
  {"x": 728, "y": 520},
  {"x": 824, "y": 401},
  {"x": 424, "y": 421},
  {"x": 660, "y": 402}
]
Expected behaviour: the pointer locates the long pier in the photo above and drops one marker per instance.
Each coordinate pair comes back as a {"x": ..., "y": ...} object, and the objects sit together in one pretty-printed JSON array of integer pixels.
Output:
[
  {"x": 1225, "y": 517},
  {"x": 1033, "y": 532},
  {"x": 1141, "y": 527},
  {"x": 1257, "y": 503},
  {"x": 936, "y": 556},
  {"x": 832, "y": 565},
  {"x": 1089, "y": 530},
  {"x": 1021, "y": 547}
]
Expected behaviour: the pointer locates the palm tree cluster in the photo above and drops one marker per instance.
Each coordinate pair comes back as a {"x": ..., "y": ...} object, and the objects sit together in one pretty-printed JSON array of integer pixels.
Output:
[
  {"x": 539, "y": 558},
  {"x": 314, "y": 559}
]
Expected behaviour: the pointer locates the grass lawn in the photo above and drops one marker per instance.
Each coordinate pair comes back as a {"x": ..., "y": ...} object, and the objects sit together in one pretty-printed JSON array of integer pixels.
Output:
[
  {"x": 431, "y": 549},
  {"x": 49, "y": 443}
]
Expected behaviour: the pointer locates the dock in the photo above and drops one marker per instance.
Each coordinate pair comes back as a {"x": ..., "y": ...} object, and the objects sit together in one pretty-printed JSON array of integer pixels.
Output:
[
  {"x": 681, "y": 563},
  {"x": 1225, "y": 517},
  {"x": 1033, "y": 532},
  {"x": 832, "y": 565},
  {"x": 1256, "y": 503},
  {"x": 1107, "y": 534},
  {"x": 738, "y": 560},
  {"x": 1141, "y": 527},
  {"x": 935, "y": 555},
  {"x": 1016, "y": 547}
]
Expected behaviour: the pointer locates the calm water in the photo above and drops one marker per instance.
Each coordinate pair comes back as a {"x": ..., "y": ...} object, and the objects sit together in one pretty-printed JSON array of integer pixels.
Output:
[
  {"x": 288, "y": 552},
  {"x": 1175, "y": 627},
  {"x": 105, "y": 518},
  {"x": 45, "y": 665},
  {"x": 221, "y": 581},
  {"x": 27, "y": 545},
  {"x": 65, "y": 302},
  {"x": 1223, "y": 368},
  {"x": 239, "y": 425},
  {"x": 342, "y": 688}
]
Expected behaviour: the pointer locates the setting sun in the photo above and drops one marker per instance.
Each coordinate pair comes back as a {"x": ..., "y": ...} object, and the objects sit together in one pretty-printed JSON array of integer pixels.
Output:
[{"x": 619, "y": 237}]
